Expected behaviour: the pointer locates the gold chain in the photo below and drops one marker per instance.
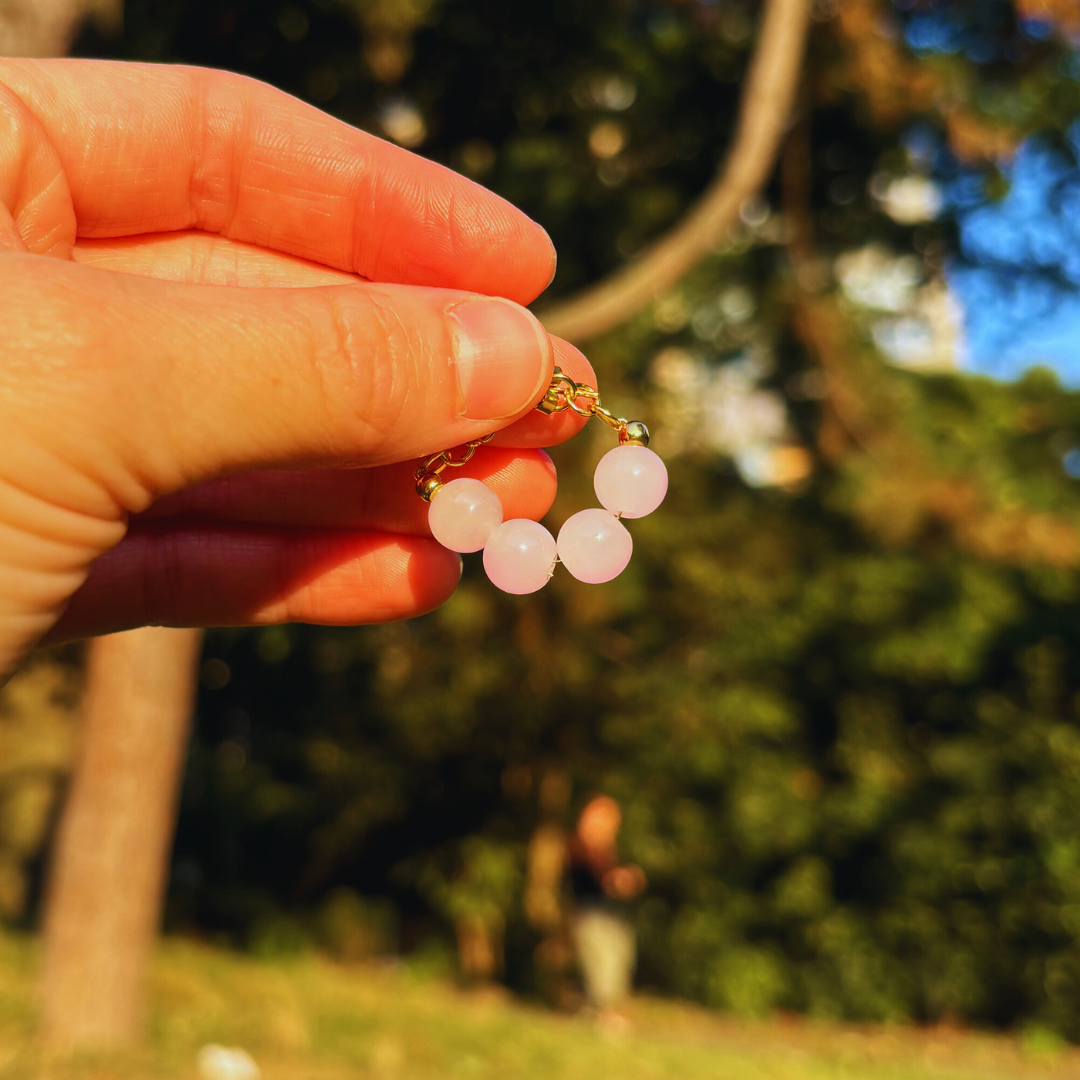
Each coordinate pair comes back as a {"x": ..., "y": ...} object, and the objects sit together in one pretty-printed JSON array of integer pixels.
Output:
[
  {"x": 445, "y": 458},
  {"x": 562, "y": 394}
]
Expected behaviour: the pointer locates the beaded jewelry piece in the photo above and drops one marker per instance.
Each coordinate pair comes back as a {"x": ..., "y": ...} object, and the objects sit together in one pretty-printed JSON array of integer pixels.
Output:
[{"x": 520, "y": 555}]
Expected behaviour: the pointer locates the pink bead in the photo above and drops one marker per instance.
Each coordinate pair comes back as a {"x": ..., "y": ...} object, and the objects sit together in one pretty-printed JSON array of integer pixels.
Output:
[
  {"x": 463, "y": 514},
  {"x": 519, "y": 556},
  {"x": 630, "y": 480},
  {"x": 595, "y": 546}
]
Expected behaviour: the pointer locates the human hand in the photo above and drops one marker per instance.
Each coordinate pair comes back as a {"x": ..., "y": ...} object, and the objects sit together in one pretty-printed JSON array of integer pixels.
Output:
[{"x": 214, "y": 298}]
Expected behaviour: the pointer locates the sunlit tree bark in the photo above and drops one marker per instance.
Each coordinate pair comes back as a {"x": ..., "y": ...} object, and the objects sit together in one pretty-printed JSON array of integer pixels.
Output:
[{"x": 105, "y": 893}]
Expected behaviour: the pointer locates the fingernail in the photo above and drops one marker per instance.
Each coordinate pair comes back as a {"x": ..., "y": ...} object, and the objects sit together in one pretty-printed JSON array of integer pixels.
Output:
[{"x": 502, "y": 356}]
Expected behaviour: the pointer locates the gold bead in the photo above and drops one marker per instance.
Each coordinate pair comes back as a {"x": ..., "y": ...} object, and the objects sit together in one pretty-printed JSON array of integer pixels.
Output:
[
  {"x": 427, "y": 485},
  {"x": 635, "y": 433}
]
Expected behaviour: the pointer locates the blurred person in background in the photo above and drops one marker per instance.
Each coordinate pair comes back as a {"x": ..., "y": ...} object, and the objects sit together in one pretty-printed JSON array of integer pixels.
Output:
[{"x": 603, "y": 889}]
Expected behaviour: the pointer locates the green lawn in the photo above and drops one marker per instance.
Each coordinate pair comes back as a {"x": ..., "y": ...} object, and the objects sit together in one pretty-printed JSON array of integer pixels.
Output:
[{"x": 312, "y": 1019}]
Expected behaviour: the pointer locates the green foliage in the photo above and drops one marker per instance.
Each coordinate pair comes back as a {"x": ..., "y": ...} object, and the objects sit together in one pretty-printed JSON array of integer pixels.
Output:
[
  {"x": 37, "y": 735},
  {"x": 851, "y": 772},
  {"x": 484, "y": 883},
  {"x": 351, "y": 927}
]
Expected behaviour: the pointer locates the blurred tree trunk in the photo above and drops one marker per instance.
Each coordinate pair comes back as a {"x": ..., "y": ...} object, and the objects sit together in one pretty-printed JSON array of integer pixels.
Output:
[{"x": 105, "y": 893}]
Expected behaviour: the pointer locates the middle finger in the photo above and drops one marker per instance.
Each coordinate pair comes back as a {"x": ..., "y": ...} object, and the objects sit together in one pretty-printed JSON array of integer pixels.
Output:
[{"x": 382, "y": 499}]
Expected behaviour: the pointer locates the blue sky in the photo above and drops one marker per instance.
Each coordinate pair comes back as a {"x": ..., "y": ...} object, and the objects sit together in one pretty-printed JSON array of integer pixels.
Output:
[{"x": 1018, "y": 272}]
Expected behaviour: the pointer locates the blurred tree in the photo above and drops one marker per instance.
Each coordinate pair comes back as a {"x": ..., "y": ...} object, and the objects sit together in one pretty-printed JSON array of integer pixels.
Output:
[
  {"x": 111, "y": 852},
  {"x": 476, "y": 897}
]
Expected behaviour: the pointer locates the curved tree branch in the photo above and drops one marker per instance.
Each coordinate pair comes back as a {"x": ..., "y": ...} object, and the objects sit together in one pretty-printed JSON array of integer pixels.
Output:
[{"x": 768, "y": 96}]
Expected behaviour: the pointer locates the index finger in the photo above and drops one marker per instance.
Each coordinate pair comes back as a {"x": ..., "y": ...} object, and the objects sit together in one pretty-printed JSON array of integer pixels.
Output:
[{"x": 147, "y": 148}]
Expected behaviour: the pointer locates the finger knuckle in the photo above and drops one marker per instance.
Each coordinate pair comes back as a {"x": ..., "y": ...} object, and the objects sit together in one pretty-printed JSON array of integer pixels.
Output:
[{"x": 371, "y": 369}]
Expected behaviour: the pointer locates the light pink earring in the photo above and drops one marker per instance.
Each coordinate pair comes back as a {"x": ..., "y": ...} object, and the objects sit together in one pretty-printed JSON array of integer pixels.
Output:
[{"x": 520, "y": 555}]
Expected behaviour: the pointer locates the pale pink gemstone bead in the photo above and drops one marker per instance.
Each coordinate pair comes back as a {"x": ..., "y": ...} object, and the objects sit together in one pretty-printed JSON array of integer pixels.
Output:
[
  {"x": 594, "y": 546},
  {"x": 631, "y": 481},
  {"x": 463, "y": 514},
  {"x": 519, "y": 556}
]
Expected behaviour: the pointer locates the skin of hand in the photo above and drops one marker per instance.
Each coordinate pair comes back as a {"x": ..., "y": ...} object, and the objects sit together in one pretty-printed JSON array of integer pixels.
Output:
[{"x": 230, "y": 324}]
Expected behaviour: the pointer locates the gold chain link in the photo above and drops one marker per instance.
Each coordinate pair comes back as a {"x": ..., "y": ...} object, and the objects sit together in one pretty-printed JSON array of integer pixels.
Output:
[
  {"x": 445, "y": 458},
  {"x": 562, "y": 394}
]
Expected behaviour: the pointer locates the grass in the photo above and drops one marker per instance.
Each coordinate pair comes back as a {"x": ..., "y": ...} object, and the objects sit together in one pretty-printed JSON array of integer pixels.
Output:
[{"x": 311, "y": 1019}]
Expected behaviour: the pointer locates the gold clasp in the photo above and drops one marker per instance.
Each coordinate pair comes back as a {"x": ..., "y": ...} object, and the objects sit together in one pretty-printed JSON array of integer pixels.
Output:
[{"x": 562, "y": 394}]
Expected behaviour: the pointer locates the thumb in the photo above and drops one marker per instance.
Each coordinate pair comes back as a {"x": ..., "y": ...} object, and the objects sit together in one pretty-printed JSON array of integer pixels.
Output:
[{"x": 178, "y": 383}]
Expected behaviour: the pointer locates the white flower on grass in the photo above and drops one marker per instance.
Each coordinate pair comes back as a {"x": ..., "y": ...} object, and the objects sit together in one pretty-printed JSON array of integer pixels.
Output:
[{"x": 226, "y": 1063}]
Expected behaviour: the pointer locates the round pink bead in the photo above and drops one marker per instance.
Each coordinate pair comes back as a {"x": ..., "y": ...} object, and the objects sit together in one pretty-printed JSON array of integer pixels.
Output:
[
  {"x": 519, "y": 556},
  {"x": 594, "y": 546},
  {"x": 630, "y": 480},
  {"x": 463, "y": 514}
]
